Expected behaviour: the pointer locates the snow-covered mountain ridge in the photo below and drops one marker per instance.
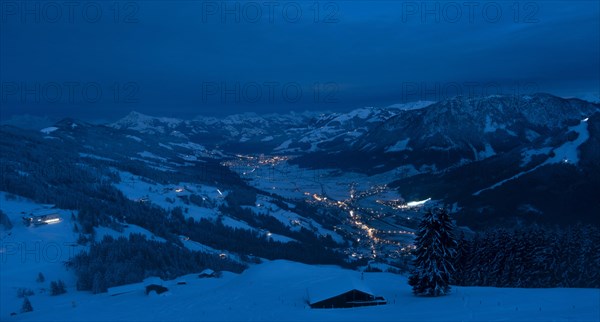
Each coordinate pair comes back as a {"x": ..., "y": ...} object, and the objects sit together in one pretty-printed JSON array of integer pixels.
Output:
[
  {"x": 475, "y": 128},
  {"x": 506, "y": 138},
  {"x": 289, "y": 132},
  {"x": 461, "y": 151}
]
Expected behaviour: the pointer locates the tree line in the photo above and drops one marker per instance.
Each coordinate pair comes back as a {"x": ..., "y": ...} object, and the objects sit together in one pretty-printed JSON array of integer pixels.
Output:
[
  {"x": 119, "y": 261},
  {"x": 532, "y": 257}
]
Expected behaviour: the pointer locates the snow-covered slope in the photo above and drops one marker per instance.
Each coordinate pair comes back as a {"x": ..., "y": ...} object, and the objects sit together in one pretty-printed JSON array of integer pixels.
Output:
[
  {"x": 27, "y": 251},
  {"x": 464, "y": 128},
  {"x": 277, "y": 291}
]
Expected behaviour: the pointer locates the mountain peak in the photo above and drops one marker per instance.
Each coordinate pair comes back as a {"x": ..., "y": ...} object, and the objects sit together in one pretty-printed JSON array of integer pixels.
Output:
[{"x": 145, "y": 123}]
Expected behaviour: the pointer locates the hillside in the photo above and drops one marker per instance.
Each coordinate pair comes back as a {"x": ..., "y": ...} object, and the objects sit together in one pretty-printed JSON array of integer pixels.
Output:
[
  {"x": 277, "y": 291},
  {"x": 267, "y": 200}
]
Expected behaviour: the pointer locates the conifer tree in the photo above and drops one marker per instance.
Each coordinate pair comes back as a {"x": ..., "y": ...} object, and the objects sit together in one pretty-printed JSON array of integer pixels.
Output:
[
  {"x": 461, "y": 261},
  {"x": 26, "y": 306},
  {"x": 435, "y": 252}
]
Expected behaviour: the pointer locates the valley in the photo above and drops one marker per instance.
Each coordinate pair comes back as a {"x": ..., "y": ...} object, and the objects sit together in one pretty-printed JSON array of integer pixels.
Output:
[{"x": 253, "y": 196}]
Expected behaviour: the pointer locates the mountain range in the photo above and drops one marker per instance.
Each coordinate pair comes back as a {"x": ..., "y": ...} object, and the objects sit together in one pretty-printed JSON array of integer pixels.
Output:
[{"x": 496, "y": 160}]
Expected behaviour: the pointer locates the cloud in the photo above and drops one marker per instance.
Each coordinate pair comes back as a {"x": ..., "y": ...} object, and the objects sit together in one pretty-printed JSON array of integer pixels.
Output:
[{"x": 341, "y": 55}]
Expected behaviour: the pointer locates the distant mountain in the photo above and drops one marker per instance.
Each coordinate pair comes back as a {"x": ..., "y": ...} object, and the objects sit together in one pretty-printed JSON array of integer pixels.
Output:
[
  {"x": 512, "y": 158},
  {"x": 471, "y": 152},
  {"x": 462, "y": 130},
  {"x": 271, "y": 133},
  {"x": 164, "y": 197},
  {"x": 29, "y": 121},
  {"x": 177, "y": 190},
  {"x": 500, "y": 159}
]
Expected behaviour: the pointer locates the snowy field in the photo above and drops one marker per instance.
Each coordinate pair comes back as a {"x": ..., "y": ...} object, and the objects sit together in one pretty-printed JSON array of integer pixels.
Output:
[
  {"x": 293, "y": 182},
  {"x": 272, "y": 291},
  {"x": 27, "y": 251},
  {"x": 279, "y": 290},
  {"x": 168, "y": 197}
]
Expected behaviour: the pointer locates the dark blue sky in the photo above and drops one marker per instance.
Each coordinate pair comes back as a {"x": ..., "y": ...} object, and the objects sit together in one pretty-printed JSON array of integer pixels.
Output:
[{"x": 100, "y": 60}]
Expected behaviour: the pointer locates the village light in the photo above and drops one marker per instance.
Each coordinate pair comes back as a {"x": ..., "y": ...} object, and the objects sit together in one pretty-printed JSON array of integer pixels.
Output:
[{"x": 52, "y": 221}]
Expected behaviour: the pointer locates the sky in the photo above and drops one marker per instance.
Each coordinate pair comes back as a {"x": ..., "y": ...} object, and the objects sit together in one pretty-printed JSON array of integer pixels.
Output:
[{"x": 99, "y": 60}]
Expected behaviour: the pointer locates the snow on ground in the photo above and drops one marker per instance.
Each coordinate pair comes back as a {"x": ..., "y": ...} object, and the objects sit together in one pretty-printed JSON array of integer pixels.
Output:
[
  {"x": 93, "y": 156},
  {"x": 291, "y": 181},
  {"x": 146, "y": 124},
  {"x": 165, "y": 146},
  {"x": 272, "y": 291},
  {"x": 527, "y": 155},
  {"x": 133, "y": 137},
  {"x": 196, "y": 246},
  {"x": 486, "y": 153},
  {"x": 291, "y": 219},
  {"x": 412, "y": 105},
  {"x": 278, "y": 291},
  {"x": 150, "y": 155},
  {"x": 361, "y": 113},
  {"x": 49, "y": 130},
  {"x": 168, "y": 197},
  {"x": 189, "y": 157},
  {"x": 159, "y": 168},
  {"x": 189, "y": 145},
  {"x": 127, "y": 230},
  {"x": 567, "y": 153},
  {"x": 491, "y": 126},
  {"x": 399, "y": 146},
  {"x": 284, "y": 145},
  {"x": 27, "y": 251}
]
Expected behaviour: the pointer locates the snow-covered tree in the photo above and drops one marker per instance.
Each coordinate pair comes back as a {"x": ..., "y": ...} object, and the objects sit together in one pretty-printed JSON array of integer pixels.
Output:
[
  {"x": 98, "y": 285},
  {"x": 57, "y": 288},
  {"x": 461, "y": 261},
  {"x": 435, "y": 252},
  {"x": 40, "y": 278},
  {"x": 26, "y": 306},
  {"x": 5, "y": 221}
]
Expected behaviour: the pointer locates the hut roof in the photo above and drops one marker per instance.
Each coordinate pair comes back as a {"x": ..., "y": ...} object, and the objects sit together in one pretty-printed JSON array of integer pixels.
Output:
[{"x": 329, "y": 287}]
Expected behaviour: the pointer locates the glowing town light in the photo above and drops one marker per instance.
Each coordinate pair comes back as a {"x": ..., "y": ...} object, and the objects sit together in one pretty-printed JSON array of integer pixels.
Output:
[
  {"x": 52, "y": 221},
  {"x": 219, "y": 191},
  {"x": 179, "y": 190},
  {"x": 585, "y": 119},
  {"x": 417, "y": 203}
]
